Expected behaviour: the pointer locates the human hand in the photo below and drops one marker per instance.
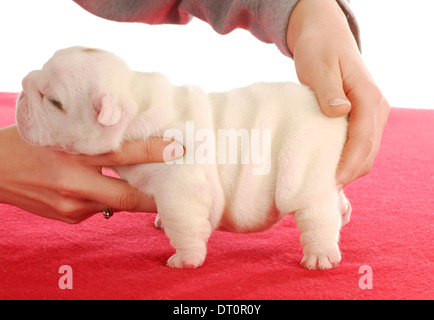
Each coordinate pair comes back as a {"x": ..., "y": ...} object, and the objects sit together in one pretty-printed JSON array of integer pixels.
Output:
[
  {"x": 327, "y": 60},
  {"x": 70, "y": 188}
]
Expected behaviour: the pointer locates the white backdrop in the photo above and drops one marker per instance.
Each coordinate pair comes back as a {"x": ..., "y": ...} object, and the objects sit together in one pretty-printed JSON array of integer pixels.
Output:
[{"x": 396, "y": 40}]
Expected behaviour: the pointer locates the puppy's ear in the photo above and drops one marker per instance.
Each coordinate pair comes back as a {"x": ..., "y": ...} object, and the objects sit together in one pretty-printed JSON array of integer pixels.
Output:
[{"x": 109, "y": 111}]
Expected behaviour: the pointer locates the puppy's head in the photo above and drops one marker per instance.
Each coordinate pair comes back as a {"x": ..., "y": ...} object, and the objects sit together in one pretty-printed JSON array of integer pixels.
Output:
[{"x": 79, "y": 102}]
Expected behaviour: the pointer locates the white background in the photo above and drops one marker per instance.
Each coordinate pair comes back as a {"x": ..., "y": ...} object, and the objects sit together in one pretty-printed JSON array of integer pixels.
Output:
[{"x": 397, "y": 46}]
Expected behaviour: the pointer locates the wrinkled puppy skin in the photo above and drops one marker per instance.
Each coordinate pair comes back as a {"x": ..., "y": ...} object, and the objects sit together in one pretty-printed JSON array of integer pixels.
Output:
[{"x": 253, "y": 155}]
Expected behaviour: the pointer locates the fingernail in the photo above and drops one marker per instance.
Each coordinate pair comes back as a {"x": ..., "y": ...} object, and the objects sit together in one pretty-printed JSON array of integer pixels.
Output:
[
  {"x": 338, "y": 102},
  {"x": 173, "y": 151}
]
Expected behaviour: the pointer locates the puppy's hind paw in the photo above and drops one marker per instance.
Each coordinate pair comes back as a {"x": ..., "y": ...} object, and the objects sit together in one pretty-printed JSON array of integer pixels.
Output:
[{"x": 188, "y": 260}]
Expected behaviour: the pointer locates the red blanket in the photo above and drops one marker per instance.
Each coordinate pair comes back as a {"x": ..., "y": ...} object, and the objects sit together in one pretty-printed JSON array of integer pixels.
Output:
[{"x": 387, "y": 248}]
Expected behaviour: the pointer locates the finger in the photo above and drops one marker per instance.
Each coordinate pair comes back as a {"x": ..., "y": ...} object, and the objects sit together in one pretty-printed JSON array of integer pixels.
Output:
[
  {"x": 325, "y": 79},
  {"x": 116, "y": 193},
  {"x": 366, "y": 124},
  {"x": 329, "y": 92},
  {"x": 356, "y": 160},
  {"x": 74, "y": 211},
  {"x": 137, "y": 152},
  {"x": 359, "y": 145}
]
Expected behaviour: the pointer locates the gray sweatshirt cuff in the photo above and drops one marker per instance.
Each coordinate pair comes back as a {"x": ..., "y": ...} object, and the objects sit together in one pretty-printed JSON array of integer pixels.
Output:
[{"x": 267, "y": 20}]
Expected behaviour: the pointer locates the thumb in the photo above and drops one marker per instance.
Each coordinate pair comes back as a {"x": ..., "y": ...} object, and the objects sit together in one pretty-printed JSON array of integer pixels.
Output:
[{"x": 328, "y": 88}]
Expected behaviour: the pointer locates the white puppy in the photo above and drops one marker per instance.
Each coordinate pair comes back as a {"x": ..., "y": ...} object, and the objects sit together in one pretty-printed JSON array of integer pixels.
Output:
[{"x": 89, "y": 101}]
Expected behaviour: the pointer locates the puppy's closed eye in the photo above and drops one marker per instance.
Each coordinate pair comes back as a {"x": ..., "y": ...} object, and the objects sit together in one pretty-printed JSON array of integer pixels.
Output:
[{"x": 57, "y": 104}]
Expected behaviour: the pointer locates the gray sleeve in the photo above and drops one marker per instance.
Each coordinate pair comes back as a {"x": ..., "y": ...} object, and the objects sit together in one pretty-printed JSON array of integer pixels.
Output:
[{"x": 266, "y": 20}]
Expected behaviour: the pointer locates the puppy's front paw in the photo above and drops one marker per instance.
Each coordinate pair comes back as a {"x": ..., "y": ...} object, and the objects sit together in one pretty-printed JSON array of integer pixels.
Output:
[
  {"x": 321, "y": 257},
  {"x": 344, "y": 208},
  {"x": 157, "y": 223},
  {"x": 187, "y": 259},
  {"x": 346, "y": 213}
]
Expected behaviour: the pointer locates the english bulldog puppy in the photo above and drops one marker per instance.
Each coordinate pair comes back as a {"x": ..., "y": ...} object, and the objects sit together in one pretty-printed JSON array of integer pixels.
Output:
[{"x": 253, "y": 155}]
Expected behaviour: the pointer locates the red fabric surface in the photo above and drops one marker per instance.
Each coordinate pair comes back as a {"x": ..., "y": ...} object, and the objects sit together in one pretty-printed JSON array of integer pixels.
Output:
[{"x": 391, "y": 231}]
